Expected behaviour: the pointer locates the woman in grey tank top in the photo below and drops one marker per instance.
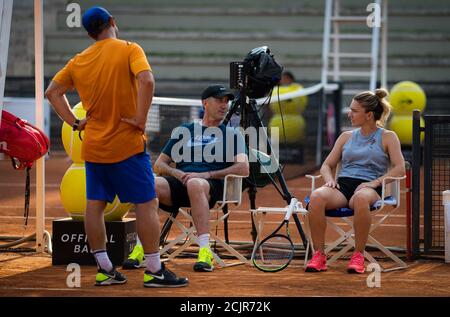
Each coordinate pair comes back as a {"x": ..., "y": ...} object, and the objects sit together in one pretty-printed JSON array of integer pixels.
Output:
[{"x": 363, "y": 158}]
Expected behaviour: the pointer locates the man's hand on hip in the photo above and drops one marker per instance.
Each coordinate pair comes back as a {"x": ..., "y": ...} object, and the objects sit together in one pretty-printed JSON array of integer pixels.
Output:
[{"x": 135, "y": 122}]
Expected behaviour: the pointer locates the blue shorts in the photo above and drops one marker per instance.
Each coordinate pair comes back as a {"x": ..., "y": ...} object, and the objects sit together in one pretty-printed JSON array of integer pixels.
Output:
[{"x": 132, "y": 180}]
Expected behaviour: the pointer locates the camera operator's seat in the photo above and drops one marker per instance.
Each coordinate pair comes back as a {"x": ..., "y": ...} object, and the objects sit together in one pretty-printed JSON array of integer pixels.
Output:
[
  {"x": 389, "y": 204},
  {"x": 232, "y": 194}
]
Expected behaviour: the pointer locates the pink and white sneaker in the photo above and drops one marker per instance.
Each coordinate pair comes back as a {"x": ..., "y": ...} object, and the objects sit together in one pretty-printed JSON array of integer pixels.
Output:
[
  {"x": 317, "y": 263},
  {"x": 356, "y": 264}
]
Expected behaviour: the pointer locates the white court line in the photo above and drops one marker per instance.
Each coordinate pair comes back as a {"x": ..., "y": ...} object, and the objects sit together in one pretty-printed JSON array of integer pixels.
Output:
[
  {"x": 21, "y": 207},
  {"x": 33, "y": 217},
  {"x": 51, "y": 218},
  {"x": 377, "y": 215},
  {"x": 233, "y": 211},
  {"x": 31, "y": 184},
  {"x": 308, "y": 189},
  {"x": 41, "y": 289},
  {"x": 230, "y": 221},
  {"x": 292, "y": 223},
  {"x": 302, "y": 189}
]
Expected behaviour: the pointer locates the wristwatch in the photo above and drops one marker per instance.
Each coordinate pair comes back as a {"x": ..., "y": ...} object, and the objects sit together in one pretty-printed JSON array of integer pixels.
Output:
[{"x": 76, "y": 125}]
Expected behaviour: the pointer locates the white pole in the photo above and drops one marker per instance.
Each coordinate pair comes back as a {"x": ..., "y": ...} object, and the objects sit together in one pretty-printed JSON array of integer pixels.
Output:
[
  {"x": 336, "y": 46},
  {"x": 39, "y": 91},
  {"x": 384, "y": 43},
  {"x": 324, "y": 79},
  {"x": 326, "y": 41},
  {"x": 446, "y": 203},
  {"x": 5, "y": 29},
  {"x": 375, "y": 51}
]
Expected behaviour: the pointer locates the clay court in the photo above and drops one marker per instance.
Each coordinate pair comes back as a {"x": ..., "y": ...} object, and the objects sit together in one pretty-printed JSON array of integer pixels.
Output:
[{"x": 426, "y": 277}]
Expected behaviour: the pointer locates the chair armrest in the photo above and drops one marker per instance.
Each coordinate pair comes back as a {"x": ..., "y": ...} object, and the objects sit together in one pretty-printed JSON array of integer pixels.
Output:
[
  {"x": 395, "y": 177},
  {"x": 313, "y": 180},
  {"x": 395, "y": 190},
  {"x": 232, "y": 190},
  {"x": 234, "y": 176}
]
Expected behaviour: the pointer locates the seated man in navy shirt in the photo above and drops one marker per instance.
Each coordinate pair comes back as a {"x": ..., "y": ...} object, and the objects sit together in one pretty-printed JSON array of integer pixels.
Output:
[{"x": 202, "y": 153}]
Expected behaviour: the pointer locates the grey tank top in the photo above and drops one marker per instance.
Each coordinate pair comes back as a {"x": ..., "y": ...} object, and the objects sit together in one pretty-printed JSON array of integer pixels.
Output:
[{"x": 363, "y": 157}]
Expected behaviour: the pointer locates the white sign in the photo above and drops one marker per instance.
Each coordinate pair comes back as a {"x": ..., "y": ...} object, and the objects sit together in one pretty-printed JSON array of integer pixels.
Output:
[{"x": 25, "y": 108}]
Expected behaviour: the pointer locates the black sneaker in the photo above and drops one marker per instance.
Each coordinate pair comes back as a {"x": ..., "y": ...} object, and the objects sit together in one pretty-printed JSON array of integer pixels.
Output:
[
  {"x": 204, "y": 261},
  {"x": 135, "y": 259},
  {"x": 130, "y": 264},
  {"x": 103, "y": 278},
  {"x": 164, "y": 278}
]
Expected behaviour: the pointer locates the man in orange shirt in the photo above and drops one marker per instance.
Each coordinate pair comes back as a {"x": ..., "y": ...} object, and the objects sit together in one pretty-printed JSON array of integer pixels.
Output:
[{"x": 115, "y": 83}]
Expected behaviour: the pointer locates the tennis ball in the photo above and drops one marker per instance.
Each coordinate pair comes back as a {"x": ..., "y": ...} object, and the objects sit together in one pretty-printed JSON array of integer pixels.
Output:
[
  {"x": 294, "y": 127},
  {"x": 71, "y": 139},
  {"x": 290, "y": 106},
  {"x": 406, "y": 96},
  {"x": 73, "y": 196},
  {"x": 402, "y": 126}
]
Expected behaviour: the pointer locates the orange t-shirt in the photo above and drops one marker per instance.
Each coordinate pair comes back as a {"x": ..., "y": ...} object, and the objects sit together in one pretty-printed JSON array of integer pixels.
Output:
[{"x": 104, "y": 76}]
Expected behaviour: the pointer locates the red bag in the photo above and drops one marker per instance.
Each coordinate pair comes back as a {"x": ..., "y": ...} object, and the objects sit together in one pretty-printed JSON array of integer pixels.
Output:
[{"x": 22, "y": 141}]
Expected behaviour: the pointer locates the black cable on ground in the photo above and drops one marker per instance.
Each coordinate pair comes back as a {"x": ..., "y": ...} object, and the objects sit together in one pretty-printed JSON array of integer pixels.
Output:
[
  {"x": 17, "y": 250},
  {"x": 19, "y": 241}
]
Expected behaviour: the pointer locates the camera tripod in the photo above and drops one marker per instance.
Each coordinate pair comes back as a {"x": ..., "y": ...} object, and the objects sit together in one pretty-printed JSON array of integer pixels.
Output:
[{"x": 249, "y": 117}]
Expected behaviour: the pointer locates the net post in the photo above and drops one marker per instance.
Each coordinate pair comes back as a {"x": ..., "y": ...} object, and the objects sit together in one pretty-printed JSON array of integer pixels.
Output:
[
  {"x": 415, "y": 190},
  {"x": 428, "y": 186},
  {"x": 408, "y": 212},
  {"x": 446, "y": 203}
]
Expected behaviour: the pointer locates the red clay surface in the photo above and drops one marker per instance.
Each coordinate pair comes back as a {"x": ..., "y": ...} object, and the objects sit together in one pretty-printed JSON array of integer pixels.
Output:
[{"x": 422, "y": 278}]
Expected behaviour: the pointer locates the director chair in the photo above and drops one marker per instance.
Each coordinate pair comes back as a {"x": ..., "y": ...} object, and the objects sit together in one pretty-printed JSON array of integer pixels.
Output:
[
  {"x": 389, "y": 203},
  {"x": 232, "y": 194}
]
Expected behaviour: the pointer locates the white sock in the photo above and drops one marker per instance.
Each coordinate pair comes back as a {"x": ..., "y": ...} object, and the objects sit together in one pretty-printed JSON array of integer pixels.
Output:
[
  {"x": 203, "y": 240},
  {"x": 102, "y": 259},
  {"x": 153, "y": 262}
]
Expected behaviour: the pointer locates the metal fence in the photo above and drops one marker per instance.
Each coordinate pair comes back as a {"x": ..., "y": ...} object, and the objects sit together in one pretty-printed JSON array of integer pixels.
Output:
[{"x": 436, "y": 171}]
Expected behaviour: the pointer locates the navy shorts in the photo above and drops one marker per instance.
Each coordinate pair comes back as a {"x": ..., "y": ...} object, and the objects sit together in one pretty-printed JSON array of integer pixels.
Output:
[
  {"x": 132, "y": 180},
  {"x": 347, "y": 186}
]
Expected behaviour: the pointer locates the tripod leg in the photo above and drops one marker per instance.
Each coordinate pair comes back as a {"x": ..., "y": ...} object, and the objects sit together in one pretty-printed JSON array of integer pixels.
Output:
[
  {"x": 300, "y": 231},
  {"x": 251, "y": 118},
  {"x": 225, "y": 225},
  {"x": 252, "y": 198},
  {"x": 288, "y": 197},
  {"x": 166, "y": 228}
]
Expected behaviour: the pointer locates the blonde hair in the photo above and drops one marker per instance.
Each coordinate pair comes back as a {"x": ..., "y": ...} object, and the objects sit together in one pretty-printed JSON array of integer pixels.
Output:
[{"x": 376, "y": 103}]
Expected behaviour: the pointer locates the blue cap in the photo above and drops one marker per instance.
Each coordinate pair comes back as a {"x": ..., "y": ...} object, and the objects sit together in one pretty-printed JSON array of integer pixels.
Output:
[{"x": 95, "y": 17}]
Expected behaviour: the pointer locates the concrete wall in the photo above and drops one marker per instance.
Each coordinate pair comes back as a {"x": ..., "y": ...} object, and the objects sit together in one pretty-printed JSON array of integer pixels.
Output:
[
  {"x": 196, "y": 40},
  {"x": 190, "y": 43}
]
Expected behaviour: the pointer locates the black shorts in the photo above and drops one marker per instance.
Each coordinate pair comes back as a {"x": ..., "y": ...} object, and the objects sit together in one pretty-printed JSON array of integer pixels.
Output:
[
  {"x": 347, "y": 186},
  {"x": 180, "y": 197}
]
